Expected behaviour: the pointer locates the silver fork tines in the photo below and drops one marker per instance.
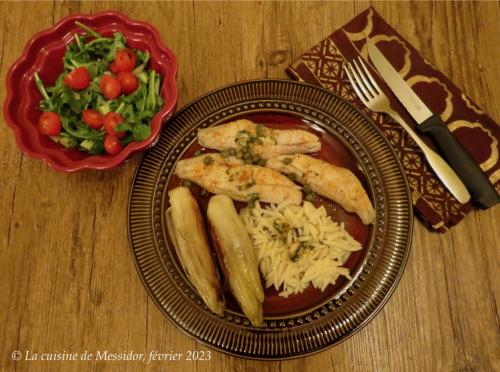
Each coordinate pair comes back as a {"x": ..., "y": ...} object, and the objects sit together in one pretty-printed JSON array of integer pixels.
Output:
[
  {"x": 369, "y": 89},
  {"x": 374, "y": 98}
]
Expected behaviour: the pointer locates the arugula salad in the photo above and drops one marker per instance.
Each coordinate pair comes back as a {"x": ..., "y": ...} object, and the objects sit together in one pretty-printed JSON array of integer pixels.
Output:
[{"x": 104, "y": 99}]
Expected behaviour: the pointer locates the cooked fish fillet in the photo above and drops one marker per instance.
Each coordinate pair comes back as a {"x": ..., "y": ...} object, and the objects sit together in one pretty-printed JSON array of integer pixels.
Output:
[
  {"x": 336, "y": 183},
  {"x": 262, "y": 141},
  {"x": 187, "y": 230},
  {"x": 236, "y": 256},
  {"x": 239, "y": 182}
]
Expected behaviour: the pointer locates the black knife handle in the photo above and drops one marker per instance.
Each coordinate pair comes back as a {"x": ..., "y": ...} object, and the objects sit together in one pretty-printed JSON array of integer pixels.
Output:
[{"x": 482, "y": 192}]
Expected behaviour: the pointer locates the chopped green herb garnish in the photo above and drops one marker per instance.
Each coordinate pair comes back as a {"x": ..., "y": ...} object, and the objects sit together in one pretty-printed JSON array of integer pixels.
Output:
[
  {"x": 292, "y": 176},
  {"x": 296, "y": 255},
  {"x": 242, "y": 138},
  {"x": 198, "y": 153},
  {"x": 287, "y": 161},
  {"x": 277, "y": 226},
  {"x": 282, "y": 228},
  {"x": 245, "y": 142},
  {"x": 253, "y": 197},
  {"x": 250, "y": 184},
  {"x": 186, "y": 183},
  {"x": 247, "y": 156},
  {"x": 260, "y": 130},
  {"x": 203, "y": 192},
  {"x": 208, "y": 160},
  {"x": 310, "y": 196}
]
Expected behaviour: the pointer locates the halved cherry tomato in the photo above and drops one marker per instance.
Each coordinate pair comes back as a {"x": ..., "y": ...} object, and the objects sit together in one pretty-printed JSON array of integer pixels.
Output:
[
  {"x": 125, "y": 59},
  {"x": 111, "y": 120},
  {"x": 128, "y": 82},
  {"x": 92, "y": 118},
  {"x": 112, "y": 145},
  {"x": 113, "y": 68},
  {"x": 49, "y": 124},
  {"x": 77, "y": 79},
  {"x": 110, "y": 86}
]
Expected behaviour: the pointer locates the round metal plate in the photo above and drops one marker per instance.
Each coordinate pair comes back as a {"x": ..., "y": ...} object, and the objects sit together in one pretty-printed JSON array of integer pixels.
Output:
[{"x": 323, "y": 324}]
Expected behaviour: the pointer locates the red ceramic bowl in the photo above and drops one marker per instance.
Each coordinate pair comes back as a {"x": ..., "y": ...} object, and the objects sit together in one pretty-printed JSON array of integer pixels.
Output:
[{"x": 44, "y": 53}]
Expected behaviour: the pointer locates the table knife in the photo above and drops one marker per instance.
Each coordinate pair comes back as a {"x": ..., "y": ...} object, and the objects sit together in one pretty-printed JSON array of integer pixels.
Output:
[{"x": 482, "y": 191}]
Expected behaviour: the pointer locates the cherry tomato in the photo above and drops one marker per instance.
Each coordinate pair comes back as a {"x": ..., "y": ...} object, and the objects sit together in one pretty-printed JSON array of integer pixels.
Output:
[
  {"x": 111, "y": 120},
  {"x": 49, "y": 124},
  {"x": 92, "y": 118},
  {"x": 110, "y": 86},
  {"x": 113, "y": 68},
  {"x": 125, "y": 59},
  {"x": 112, "y": 145},
  {"x": 77, "y": 79},
  {"x": 128, "y": 82}
]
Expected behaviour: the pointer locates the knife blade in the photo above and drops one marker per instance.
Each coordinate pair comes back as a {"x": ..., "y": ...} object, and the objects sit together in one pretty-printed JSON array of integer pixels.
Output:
[{"x": 482, "y": 191}]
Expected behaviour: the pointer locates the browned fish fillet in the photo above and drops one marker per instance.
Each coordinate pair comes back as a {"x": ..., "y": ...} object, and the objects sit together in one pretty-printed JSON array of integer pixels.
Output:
[
  {"x": 240, "y": 182},
  {"x": 187, "y": 231},
  {"x": 336, "y": 183},
  {"x": 236, "y": 256},
  {"x": 258, "y": 139}
]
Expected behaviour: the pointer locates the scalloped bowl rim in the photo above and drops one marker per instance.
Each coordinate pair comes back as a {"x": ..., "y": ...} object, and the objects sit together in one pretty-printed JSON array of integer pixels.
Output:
[{"x": 168, "y": 108}]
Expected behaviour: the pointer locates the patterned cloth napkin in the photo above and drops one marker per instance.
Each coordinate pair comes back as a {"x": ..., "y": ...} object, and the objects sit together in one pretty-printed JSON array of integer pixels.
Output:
[{"x": 479, "y": 134}]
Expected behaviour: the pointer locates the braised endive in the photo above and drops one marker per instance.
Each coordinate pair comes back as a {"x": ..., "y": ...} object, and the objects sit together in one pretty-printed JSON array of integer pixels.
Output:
[
  {"x": 237, "y": 256},
  {"x": 187, "y": 231}
]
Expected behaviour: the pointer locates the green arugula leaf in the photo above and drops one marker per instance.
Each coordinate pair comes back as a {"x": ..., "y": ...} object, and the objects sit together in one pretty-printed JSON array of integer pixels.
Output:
[
  {"x": 123, "y": 127},
  {"x": 127, "y": 139},
  {"x": 80, "y": 130},
  {"x": 141, "y": 132}
]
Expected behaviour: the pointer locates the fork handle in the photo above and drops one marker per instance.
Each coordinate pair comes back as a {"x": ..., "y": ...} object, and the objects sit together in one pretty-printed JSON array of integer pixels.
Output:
[
  {"x": 483, "y": 193},
  {"x": 444, "y": 172}
]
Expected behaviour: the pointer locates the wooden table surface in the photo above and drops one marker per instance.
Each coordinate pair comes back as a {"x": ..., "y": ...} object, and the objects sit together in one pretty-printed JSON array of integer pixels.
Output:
[{"x": 67, "y": 279}]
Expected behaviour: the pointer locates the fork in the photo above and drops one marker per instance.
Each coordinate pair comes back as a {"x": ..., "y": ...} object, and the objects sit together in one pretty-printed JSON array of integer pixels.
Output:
[{"x": 374, "y": 99}]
